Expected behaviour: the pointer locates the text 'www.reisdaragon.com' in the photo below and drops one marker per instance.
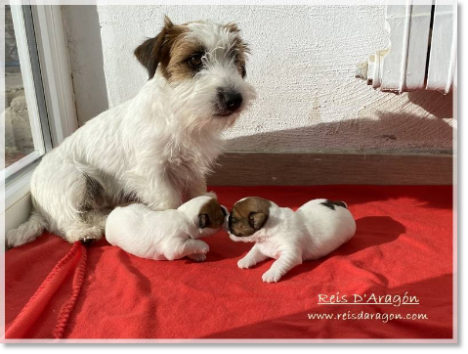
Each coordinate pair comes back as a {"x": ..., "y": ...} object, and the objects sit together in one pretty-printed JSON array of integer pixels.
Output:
[{"x": 363, "y": 316}]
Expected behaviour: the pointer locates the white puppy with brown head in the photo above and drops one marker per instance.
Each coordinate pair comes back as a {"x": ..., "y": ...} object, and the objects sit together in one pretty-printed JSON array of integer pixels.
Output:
[
  {"x": 313, "y": 231},
  {"x": 155, "y": 149},
  {"x": 169, "y": 234}
]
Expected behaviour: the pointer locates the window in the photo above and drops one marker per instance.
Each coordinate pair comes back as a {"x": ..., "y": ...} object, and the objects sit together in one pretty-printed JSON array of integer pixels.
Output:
[
  {"x": 27, "y": 132},
  {"x": 39, "y": 107}
]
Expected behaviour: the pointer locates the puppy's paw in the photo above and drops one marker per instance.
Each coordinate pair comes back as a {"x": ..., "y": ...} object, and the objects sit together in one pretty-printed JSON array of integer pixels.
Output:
[
  {"x": 197, "y": 257},
  {"x": 202, "y": 248},
  {"x": 245, "y": 263},
  {"x": 271, "y": 276}
]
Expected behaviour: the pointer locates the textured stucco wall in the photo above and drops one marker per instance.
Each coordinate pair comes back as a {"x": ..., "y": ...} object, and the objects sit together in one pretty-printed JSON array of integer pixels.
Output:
[{"x": 303, "y": 64}]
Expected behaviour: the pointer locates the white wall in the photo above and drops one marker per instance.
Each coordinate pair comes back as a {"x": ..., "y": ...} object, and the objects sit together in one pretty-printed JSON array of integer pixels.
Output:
[
  {"x": 303, "y": 64},
  {"x": 85, "y": 53}
]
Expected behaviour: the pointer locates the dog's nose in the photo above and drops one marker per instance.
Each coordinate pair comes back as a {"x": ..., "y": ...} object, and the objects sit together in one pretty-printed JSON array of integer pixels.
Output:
[{"x": 232, "y": 100}]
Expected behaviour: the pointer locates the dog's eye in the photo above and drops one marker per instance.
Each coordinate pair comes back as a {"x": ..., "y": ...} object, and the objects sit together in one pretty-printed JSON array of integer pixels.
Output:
[{"x": 195, "y": 60}]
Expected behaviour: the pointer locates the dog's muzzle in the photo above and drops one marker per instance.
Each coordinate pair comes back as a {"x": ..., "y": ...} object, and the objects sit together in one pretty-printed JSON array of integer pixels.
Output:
[{"x": 229, "y": 101}]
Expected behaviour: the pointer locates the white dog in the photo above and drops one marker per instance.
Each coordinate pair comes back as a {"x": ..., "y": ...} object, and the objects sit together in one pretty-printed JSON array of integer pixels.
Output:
[
  {"x": 169, "y": 234},
  {"x": 155, "y": 149},
  {"x": 313, "y": 231}
]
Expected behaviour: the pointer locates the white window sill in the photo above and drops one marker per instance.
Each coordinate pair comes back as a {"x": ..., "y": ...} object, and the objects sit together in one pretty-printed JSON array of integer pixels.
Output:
[{"x": 18, "y": 199}]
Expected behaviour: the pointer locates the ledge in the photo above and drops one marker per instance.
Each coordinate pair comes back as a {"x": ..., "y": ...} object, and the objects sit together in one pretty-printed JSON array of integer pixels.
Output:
[{"x": 324, "y": 169}]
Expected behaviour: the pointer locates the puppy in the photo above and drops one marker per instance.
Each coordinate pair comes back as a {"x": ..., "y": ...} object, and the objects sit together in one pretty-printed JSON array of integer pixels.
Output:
[
  {"x": 313, "y": 231},
  {"x": 155, "y": 149},
  {"x": 169, "y": 234}
]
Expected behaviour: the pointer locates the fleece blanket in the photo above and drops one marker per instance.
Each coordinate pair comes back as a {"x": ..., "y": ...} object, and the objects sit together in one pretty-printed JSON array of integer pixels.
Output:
[{"x": 393, "y": 280}]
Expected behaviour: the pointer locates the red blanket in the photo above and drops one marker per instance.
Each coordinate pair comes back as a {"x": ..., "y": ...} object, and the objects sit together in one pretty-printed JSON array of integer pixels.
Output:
[{"x": 403, "y": 246}]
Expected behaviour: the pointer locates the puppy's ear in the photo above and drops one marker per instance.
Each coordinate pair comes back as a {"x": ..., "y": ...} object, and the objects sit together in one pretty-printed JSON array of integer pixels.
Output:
[
  {"x": 149, "y": 53},
  {"x": 257, "y": 220},
  {"x": 203, "y": 221}
]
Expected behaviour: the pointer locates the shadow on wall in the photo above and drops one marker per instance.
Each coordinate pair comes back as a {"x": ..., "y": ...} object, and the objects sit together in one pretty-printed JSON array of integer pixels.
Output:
[
  {"x": 441, "y": 106},
  {"x": 391, "y": 132}
]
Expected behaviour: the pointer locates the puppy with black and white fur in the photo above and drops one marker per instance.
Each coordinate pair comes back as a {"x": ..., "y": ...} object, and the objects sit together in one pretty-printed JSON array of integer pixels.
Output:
[
  {"x": 155, "y": 149},
  {"x": 169, "y": 234},
  {"x": 313, "y": 231}
]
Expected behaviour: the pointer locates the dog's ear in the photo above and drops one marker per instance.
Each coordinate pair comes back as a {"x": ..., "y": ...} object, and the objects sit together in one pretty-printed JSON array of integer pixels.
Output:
[
  {"x": 150, "y": 52},
  {"x": 257, "y": 220},
  {"x": 232, "y": 27},
  {"x": 203, "y": 221}
]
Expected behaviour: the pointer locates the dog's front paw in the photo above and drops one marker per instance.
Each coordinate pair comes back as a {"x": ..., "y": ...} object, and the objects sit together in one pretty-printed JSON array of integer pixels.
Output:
[
  {"x": 245, "y": 263},
  {"x": 271, "y": 276},
  {"x": 197, "y": 257},
  {"x": 202, "y": 248}
]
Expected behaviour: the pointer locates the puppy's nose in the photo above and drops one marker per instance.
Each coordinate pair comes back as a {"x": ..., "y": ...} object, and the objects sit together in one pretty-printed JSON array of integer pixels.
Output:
[{"x": 232, "y": 100}]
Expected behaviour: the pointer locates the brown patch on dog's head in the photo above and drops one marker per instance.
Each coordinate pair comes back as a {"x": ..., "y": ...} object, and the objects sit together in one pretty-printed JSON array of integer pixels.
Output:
[
  {"x": 170, "y": 50},
  {"x": 241, "y": 48},
  {"x": 248, "y": 216},
  {"x": 179, "y": 55},
  {"x": 211, "y": 215},
  {"x": 232, "y": 27}
]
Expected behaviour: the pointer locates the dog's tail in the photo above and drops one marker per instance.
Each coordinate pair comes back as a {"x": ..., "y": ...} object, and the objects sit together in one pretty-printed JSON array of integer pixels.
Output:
[{"x": 27, "y": 231}]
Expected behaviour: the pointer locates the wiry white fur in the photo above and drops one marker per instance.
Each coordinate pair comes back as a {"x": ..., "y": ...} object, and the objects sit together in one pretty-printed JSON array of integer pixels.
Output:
[
  {"x": 161, "y": 235},
  {"x": 313, "y": 231},
  {"x": 156, "y": 148}
]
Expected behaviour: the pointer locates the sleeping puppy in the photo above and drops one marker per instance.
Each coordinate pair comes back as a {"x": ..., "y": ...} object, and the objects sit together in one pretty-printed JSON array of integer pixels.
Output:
[
  {"x": 313, "y": 231},
  {"x": 169, "y": 234}
]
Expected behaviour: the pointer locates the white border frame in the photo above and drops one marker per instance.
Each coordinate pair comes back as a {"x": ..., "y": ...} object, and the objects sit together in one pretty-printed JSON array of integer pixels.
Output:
[{"x": 429, "y": 347}]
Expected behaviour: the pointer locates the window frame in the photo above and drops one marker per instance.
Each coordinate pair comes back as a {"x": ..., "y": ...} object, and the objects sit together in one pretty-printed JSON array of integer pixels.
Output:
[
  {"x": 59, "y": 100},
  {"x": 34, "y": 94}
]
